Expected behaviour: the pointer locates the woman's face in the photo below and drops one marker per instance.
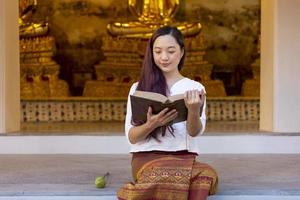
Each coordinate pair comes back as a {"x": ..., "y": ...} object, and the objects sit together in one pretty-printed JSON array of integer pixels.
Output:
[{"x": 167, "y": 53}]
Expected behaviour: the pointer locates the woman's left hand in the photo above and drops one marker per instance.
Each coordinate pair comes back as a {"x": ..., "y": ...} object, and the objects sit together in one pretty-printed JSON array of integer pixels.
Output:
[{"x": 194, "y": 100}]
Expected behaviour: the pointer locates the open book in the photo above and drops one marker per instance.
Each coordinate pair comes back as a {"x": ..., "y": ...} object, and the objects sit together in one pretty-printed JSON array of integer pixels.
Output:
[{"x": 141, "y": 101}]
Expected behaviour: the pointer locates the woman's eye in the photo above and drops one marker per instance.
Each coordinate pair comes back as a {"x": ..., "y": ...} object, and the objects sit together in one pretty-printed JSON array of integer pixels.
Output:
[
  {"x": 171, "y": 52},
  {"x": 157, "y": 52}
]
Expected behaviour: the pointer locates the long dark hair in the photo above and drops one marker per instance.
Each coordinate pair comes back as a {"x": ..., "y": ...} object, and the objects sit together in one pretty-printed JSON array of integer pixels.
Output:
[{"x": 152, "y": 78}]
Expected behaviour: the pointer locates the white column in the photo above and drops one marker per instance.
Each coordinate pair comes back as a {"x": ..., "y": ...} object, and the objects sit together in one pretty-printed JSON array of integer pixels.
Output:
[
  {"x": 9, "y": 67},
  {"x": 280, "y": 66}
]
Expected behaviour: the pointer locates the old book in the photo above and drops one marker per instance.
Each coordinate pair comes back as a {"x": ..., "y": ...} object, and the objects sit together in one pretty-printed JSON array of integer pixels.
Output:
[{"x": 141, "y": 101}]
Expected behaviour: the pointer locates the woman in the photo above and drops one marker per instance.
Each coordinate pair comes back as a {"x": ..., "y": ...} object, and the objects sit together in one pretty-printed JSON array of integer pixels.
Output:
[{"x": 163, "y": 157}]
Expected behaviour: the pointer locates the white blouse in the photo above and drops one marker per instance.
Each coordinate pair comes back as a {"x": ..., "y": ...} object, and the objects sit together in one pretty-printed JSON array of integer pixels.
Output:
[{"x": 182, "y": 140}]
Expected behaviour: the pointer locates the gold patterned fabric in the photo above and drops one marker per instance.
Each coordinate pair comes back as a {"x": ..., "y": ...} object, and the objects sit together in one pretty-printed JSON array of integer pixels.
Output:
[{"x": 169, "y": 176}]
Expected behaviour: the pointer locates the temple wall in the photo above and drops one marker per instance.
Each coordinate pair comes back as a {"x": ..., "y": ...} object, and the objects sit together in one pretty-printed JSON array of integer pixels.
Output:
[{"x": 230, "y": 27}]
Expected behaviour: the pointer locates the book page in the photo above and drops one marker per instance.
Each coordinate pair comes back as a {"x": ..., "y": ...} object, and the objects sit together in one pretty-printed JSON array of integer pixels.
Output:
[
  {"x": 176, "y": 97},
  {"x": 150, "y": 95}
]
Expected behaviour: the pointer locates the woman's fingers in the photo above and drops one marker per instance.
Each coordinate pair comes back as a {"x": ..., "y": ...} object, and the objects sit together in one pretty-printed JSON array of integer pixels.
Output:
[
  {"x": 202, "y": 91},
  {"x": 166, "y": 116},
  {"x": 163, "y": 112},
  {"x": 195, "y": 96},
  {"x": 149, "y": 113},
  {"x": 169, "y": 117},
  {"x": 190, "y": 95},
  {"x": 170, "y": 113}
]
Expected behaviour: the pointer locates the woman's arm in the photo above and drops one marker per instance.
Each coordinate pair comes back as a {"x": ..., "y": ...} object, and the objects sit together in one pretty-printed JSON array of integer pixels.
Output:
[
  {"x": 194, "y": 101},
  {"x": 139, "y": 133},
  {"x": 193, "y": 124}
]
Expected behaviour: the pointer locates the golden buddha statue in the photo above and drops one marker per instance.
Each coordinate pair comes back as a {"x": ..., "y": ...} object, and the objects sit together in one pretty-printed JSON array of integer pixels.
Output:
[
  {"x": 39, "y": 72},
  {"x": 151, "y": 14},
  {"x": 123, "y": 55},
  {"x": 26, "y": 27}
]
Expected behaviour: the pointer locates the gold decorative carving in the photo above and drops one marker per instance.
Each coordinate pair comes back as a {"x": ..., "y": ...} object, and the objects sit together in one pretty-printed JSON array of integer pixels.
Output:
[
  {"x": 198, "y": 69},
  {"x": 251, "y": 87},
  {"x": 119, "y": 70},
  {"x": 28, "y": 28},
  {"x": 39, "y": 73},
  {"x": 123, "y": 63},
  {"x": 124, "y": 55},
  {"x": 151, "y": 14},
  {"x": 106, "y": 90}
]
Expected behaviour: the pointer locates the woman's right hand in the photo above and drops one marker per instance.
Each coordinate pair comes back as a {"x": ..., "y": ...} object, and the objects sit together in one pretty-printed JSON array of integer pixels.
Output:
[
  {"x": 161, "y": 119},
  {"x": 140, "y": 133}
]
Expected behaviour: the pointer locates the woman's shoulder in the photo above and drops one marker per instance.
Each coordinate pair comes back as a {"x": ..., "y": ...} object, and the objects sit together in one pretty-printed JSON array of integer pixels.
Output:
[
  {"x": 133, "y": 87},
  {"x": 135, "y": 84},
  {"x": 190, "y": 83},
  {"x": 186, "y": 84}
]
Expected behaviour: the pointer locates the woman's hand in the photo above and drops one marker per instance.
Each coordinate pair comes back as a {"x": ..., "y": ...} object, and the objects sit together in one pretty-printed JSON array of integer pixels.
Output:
[
  {"x": 140, "y": 133},
  {"x": 194, "y": 100},
  {"x": 160, "y": 119}
]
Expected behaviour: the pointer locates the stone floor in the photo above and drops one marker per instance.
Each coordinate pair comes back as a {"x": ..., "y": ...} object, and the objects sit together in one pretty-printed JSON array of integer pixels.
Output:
[
  {"x": 71, "y": 176},
  {"x": 49, "y": 175}
]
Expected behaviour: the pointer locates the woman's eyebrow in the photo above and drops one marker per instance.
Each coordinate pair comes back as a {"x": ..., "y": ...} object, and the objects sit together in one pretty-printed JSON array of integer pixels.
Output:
[{"x": 167, "y": 47}]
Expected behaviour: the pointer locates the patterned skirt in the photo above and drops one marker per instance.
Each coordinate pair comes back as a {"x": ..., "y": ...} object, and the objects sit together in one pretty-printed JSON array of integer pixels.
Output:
[{"x": 169, "y": 176}]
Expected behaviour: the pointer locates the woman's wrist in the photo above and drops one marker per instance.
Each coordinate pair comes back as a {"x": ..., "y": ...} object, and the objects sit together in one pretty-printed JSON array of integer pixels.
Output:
[
  {"x": 149, "y": 127},
  {"x": 193, "y": 112}
]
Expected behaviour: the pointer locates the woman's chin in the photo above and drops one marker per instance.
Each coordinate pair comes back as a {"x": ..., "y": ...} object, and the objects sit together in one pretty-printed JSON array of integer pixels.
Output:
[{"x": 165, "y": 68}]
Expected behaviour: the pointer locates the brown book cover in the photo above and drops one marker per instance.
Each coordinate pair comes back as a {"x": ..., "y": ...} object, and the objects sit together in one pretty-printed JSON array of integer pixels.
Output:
[{"x": 141, "y": 101}]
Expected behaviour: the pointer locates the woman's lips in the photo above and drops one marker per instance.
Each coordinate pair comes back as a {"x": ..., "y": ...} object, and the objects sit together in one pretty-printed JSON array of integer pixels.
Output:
[{"x": 165, "y": 64}]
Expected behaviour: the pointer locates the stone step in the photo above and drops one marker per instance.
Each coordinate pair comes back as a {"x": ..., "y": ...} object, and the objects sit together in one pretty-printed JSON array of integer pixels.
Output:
[
  {"x": 66, "y": 177},
  {"x": 216, "y": 197},
  {"x": 116, "y": 144}
]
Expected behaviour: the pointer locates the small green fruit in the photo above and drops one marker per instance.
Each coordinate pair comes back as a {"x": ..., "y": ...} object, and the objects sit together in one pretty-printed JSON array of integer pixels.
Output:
[{"x": 100, "y": 182}]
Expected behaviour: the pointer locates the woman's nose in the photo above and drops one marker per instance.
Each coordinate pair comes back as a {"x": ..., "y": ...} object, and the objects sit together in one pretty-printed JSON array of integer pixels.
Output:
[{"x": 164, "y": 56}]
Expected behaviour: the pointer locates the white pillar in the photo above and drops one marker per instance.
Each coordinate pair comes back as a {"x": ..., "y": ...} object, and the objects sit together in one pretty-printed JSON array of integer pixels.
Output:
[
  {"x": 9, "y": 67},
  {"x": 280, "y": 66}
]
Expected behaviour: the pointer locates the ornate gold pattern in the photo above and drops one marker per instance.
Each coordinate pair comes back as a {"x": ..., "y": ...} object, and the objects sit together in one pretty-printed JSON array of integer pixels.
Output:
[
  {"x": 118, "y": 71},
  {"x": 198, "y": 69},
  {"x": 39, "y": 73},
  {"x": 251, "y": 87},
  {"x": 123, "y": 62},
  {"x": 151, "y": 14},
  {"x": 124, "y": 55},
  {"x": 26, "y": 27}
]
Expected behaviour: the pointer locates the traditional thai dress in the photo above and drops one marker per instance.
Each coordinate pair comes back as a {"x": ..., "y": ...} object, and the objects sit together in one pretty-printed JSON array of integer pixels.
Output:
[{"x": 168, "y": 170}]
